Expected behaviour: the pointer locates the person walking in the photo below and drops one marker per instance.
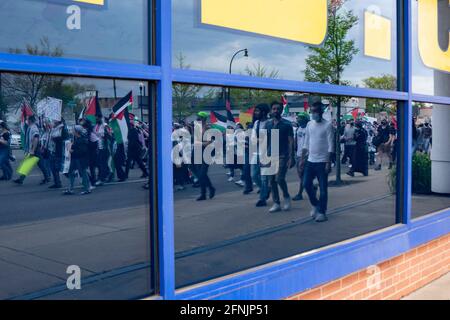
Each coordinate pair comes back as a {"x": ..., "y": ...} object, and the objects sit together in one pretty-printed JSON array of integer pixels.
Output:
[
  {"x": 79, "y": 160},
  {"x": 285, "y": 159},
  {"x": 58, "y": 137},
  {"x": 259, "y": 123},
  {"x": 135, "y": 151},
  {"x": 319, "y": 146},
  {"x": 5, "y": 147},
  {"x": 300, "y": 134},
  {"x": 102, "y": 134},
  {"x": 360, "y": 152},
  {"x": 202, "y": 168},
  {"x": 31, "y": 148}
]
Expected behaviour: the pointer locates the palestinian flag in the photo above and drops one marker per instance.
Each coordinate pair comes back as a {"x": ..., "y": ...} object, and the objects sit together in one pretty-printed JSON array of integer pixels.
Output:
[
  {"x": 91, "y": 110},
  {"x": 120, "y": 119},
  {"x": 218, "y": 121},
  {"x": 230, "y": 118},
  {"x": 246, "y": 117},
  {"x": 285, "y": 104},
  {"x": 26, "y": 112}
]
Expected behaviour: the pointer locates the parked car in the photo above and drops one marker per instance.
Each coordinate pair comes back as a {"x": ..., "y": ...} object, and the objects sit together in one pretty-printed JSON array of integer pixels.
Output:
[{"x": 16, "y": 141}]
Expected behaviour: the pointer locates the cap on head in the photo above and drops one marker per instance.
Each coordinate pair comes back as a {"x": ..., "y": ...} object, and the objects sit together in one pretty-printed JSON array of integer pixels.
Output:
[
  {"x": 303, "y": 116},
  {"x": 203, "y": 115}
]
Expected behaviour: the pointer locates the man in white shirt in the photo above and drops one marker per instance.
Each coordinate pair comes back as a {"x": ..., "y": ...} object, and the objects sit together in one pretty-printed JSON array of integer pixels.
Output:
[{"x": 319, "y": 144}]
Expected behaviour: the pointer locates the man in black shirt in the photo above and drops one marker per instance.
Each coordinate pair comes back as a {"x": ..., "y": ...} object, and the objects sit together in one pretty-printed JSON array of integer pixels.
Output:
[{"x": 286, "y": 155}]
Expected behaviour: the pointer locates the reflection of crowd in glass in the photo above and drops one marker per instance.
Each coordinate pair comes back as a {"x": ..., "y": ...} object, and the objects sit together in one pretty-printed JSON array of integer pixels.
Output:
[
  {"x": 95, "y": 155},
  {"x": 308, "y": 144},
  {"x": 422, "y": 136}
]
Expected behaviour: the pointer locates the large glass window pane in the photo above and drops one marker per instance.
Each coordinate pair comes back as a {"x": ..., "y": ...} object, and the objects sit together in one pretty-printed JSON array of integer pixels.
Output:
[
  {"x": 74, "y": 189},
  {"x": 100, "y": 30},
  {"x": 431, "y": 56},
  {"x": 431, "y": 159},
  {"x": 340, "y": 42},
  {"x": 226, "y": 219}
]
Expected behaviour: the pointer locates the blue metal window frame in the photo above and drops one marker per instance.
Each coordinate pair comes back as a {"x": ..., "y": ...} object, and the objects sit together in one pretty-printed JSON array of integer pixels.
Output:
[{"x": 291, "y": 275}]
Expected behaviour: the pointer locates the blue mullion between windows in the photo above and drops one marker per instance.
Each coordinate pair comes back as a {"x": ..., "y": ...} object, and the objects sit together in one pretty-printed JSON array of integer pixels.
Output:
[
  {"x": 166, "y": 236},
  {"x": 221, "y": 79},
  {"x": 77, "y": 67},
  {"x": 430, "y": 99}
]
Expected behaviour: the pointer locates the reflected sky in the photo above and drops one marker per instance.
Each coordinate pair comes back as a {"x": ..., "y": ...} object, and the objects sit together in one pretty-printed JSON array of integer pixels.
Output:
[
  {"x": 115, "y": 32},
  {"x": 211, "y": 49}
]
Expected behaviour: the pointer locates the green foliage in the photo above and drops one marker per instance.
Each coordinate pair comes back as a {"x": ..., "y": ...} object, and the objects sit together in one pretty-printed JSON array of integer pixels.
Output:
[
  {"x": 385, "y": 82},
  {"x": 243, "y": 99},
  {"x": 326, "y": 63},
  {"x": 183, "y": 95},
  {"x": 421, "y": 173}
]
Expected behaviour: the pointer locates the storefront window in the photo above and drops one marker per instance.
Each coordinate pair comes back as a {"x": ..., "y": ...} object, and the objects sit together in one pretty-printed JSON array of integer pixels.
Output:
[
  {"x": 99, "y": 30},
  {"x": 227, "y": 217},
  {"x": 431, "y": 159},
  {"x": 342, "y": 42},
  {"x": 431, "y": 54},
  {"x": 74, "y": 191}
]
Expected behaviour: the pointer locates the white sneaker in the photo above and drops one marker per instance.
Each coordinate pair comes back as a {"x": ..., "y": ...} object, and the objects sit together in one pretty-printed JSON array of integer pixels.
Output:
[
  {"x": 180, "y": 188},
  {"x": 314, "y": 212},
  {"x": 287, "y": 204},
  {"x": 230, "y": 179},
  {"x": 321, "y": 217},
  {"x": 240, "y": 183},
  {"x": 275, "y": 208}
]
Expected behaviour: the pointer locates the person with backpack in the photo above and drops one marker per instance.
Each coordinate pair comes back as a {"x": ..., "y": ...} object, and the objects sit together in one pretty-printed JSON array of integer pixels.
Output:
[{"x": 381, "y": 142}]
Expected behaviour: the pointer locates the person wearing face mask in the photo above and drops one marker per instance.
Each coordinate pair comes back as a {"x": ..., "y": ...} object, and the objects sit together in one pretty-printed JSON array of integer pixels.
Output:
[
  {"x": 318, "y": 146},
  {"x": 300, "y": 134},
  {"x": 285, "y": 157}
]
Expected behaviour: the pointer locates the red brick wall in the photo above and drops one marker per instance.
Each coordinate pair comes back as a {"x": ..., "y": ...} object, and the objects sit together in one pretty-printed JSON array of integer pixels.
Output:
[{"x": 391, "y": 279}]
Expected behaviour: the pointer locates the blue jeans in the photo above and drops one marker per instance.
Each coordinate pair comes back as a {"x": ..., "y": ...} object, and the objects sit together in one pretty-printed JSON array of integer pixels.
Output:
[
  {"x": 312, "y": 171},
  {"x": 5, "y": 166},
  {"x": 256, "y": 174}
]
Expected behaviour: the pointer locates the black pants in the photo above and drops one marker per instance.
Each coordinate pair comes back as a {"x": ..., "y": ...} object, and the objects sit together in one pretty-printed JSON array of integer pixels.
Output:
[
  {"x": 203, "y": 178},
  {"x": 102, "y": 161},
  {"x": 313, "y": 171},
  {"x": 119, "y": 162},
  {"x": 280, "y": 180},
  {"x": 135, "y": 155}
]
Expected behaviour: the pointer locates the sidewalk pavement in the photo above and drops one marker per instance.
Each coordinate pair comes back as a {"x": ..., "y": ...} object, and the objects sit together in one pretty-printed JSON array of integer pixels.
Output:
[
  {"x": 437, "y": 290},
  {"x": 213, "y": 238}
]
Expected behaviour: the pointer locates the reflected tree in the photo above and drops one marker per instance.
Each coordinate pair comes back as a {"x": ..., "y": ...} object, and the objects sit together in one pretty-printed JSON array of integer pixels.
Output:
[
  {"x": 326, "y": 64},
  {"x": 384, "y": 82},
  {"x": 183, "y": 94}
]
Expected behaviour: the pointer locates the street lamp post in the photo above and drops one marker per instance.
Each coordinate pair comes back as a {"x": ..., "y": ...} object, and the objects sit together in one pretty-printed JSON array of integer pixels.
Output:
[{"x": 231, "y": 64}]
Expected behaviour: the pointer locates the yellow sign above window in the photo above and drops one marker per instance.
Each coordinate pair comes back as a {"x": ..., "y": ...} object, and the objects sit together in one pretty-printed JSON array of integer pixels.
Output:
[
  {"x": 296, "y": 20},
  {"x": 430, "y": 51},
  {"x": 96, "y": 2},
  {"x": 377, "y": 36}
]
